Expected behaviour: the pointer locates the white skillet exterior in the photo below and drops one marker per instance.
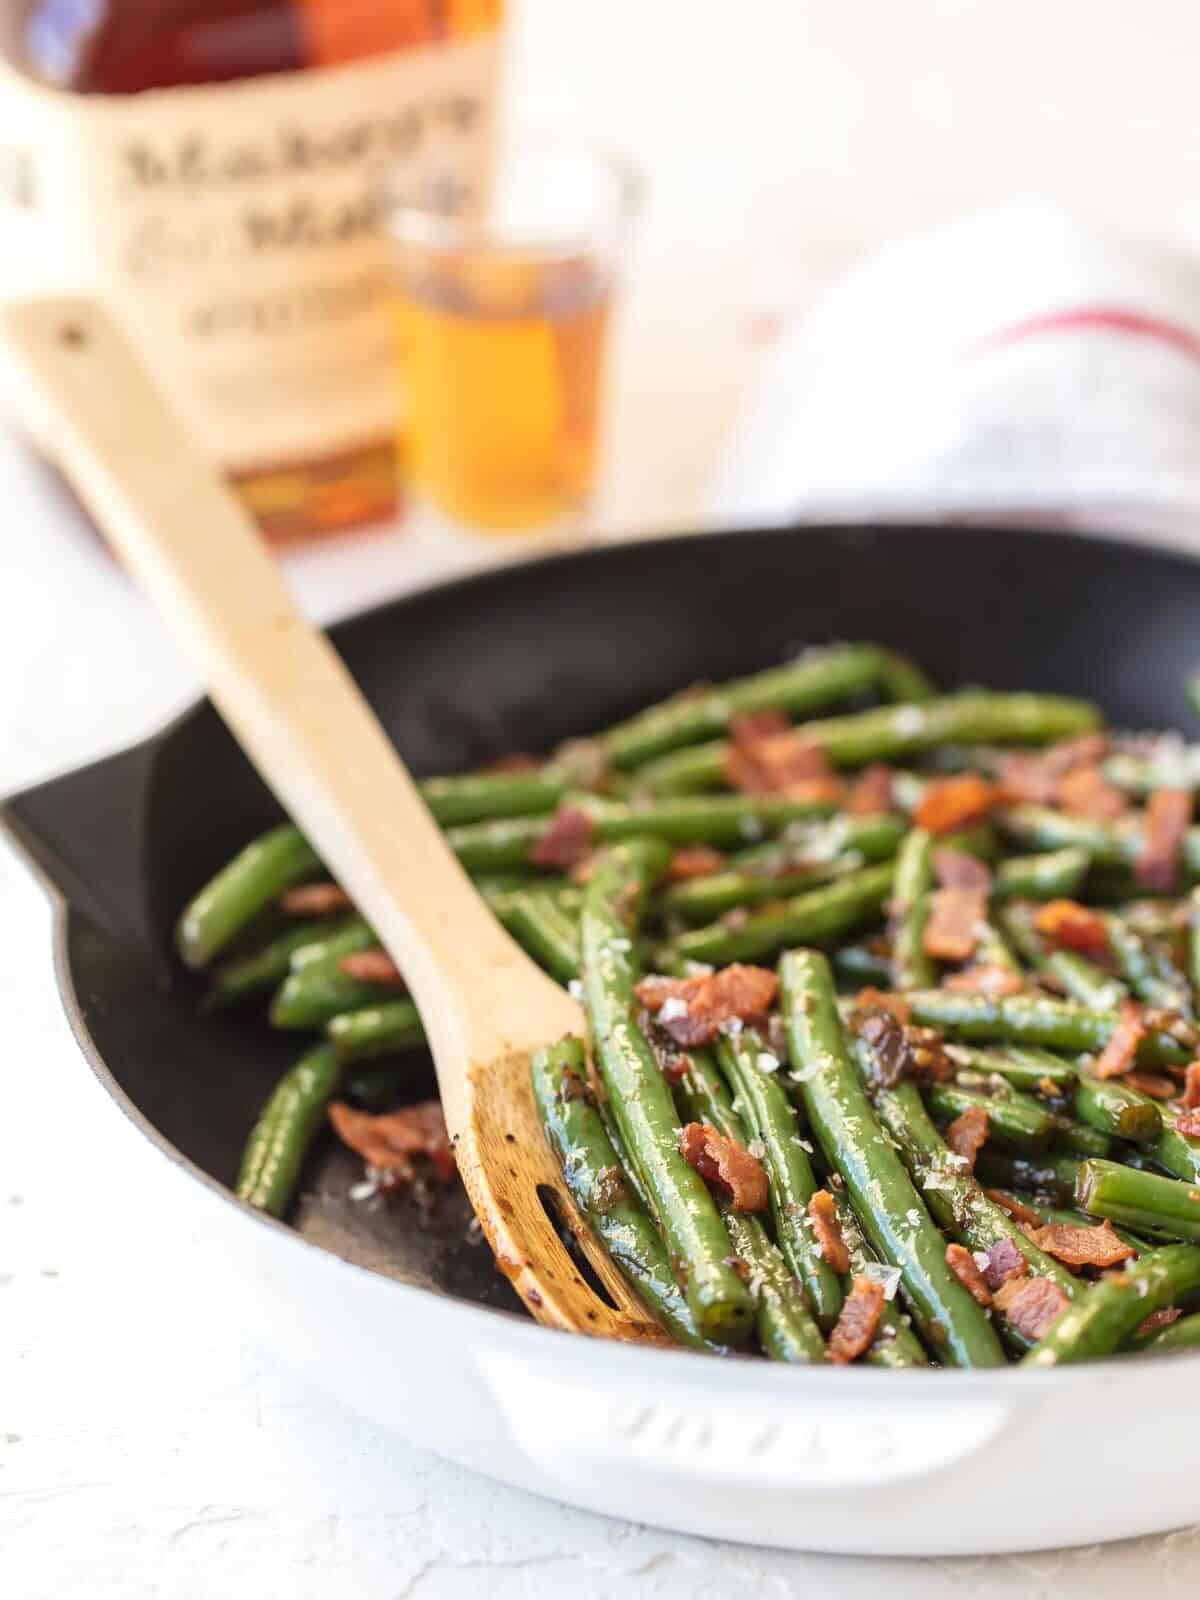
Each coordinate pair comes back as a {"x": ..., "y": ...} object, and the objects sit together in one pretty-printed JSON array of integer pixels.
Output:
[{"x": 853, "y": 1462}]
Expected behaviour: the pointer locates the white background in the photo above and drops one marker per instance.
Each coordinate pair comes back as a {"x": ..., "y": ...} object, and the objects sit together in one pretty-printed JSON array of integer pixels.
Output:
[{"x": 145, "y": 1447}]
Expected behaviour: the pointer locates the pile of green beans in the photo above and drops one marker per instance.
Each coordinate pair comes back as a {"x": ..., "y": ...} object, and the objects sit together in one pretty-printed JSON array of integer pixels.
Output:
[{"x": 835, "y": 900}]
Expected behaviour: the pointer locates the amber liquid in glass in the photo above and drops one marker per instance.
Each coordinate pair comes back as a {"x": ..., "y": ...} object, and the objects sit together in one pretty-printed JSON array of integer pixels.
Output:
[
  {"x": 501, "y": 364},
  {"x": 121, "y": 47}
]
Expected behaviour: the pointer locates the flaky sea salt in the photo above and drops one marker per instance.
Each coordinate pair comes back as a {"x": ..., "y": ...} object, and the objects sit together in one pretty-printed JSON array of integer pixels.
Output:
[
  {"x": 767, "y": 1062},
  {"x": 887, "y": 1277},
  {"x": 672, "y": 1009}
]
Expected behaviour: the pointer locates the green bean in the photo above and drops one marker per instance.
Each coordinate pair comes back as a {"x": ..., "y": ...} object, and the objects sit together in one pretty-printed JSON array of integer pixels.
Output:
[
  {"x": 1099, "y": 1322},
  {"x": 381, "y": 1030},
  {"x": 1082, "y": 980},
  {"x": 1034, "y": 1020},
  {"x": 1139, "y": 1199},
  {"x": 596, "y": 1180},
  {"x": 784, "y": 1324},
  {"x": 1027, "y": 1070},
  {"x": 813, "y": 681},
  {"x": 315, "y": 993},
  {"x": 1137, "y": 967},
  {"x": 1108, "y": 844},
  {"x": 895, "y": 1344},
  {"x": 857, "y": 967},
  {"x": 546, "y": 933},
  {"x": 1054, "y": 875},
  {"x": 1117, "y": 1109},
  {"x": 770, "y": 1117},
  {"x": 328, "y": 941},
  {"x": 892, "y": 1213},
  {"x": 255, "y": 878},
  {"x": 901, "y": 679},
  {"x": 954, "y": 1197},
  {"x": 694, "y": 769},
  {"x": 1177, "y": 1153},
  {"x": 910, "y": 908},
  {"x": 641, "y": 1101},
  {"x": 1013, "y": 1123},
  {"x": 722, "y": 819},
  {"x": 264, "y": 968},
  {"x": 375, "y": 1088},
  {"x": 1051, "y": 1174},
  {"x": 846, "y": 903},
  {"x": 285, "y": 1130},
  {"x": 475, "y": 797}
]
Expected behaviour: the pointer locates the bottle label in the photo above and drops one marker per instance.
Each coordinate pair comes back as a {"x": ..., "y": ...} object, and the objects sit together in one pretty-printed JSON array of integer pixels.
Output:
[{"x": 234, "y": 231}]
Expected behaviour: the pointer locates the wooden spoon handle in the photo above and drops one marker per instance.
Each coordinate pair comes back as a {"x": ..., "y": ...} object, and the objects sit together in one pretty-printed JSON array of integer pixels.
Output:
[{"x": 279, "y": 684}]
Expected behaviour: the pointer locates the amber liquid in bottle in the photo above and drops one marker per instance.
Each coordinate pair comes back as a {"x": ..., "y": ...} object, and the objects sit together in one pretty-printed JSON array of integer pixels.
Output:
[{"x": 124, "y": 47}]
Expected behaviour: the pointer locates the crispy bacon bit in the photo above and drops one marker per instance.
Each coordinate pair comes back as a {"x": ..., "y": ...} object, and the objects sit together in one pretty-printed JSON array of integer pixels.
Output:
[
  {"x": 1191, "y": 1085},
  {"x": 854, "y": 1330},
  {"x": 703, "y": 1003},
  {"x": 566, "y": 841},
  {"x": 1072, "y": 927},
  {"x": 1082, "y": 1246},
  {"x": 1004, "y": 1261},
  {"x": 955, "y": 869},
  {"x": 515, "y": 761},
  {"x": 1188, "y": 1123},
  {"x": 390, "y": 1142},
  {"x": 985, "y": 979},
  {"x": 1034, "y": 777},
  {"x": 883, "y": 1000},
  {"x": 952, "y": 930},
  {"x": 1017, "y": 1209},
  {"x": 694, "y": 861},
  {"x": 966, "y": 1269},
  {"x": 675, "y": 1066},
  {"x": 373, "y": 966},
  {"x": 1156, "y": 1321},
  {"x": 1120, "y": 1053},
  {"x": 953, "y": 803},
  {"x": 315, "y": 900},
  {"x": 822, "y": 1213},
  {"x": 723, "y": 1161},
  {"x": 968, "y": 1134},
  {"x": 898, "y": 1049},
  {"x": 1032, "y": 1305},
  {"x": 1155, "y": 1084},
  {"x": 1168, "y": 812},
  {"x": 1086, "y": 792},
  {"x": 764, "y": 758},
  {"x": 872, "y": 792}
]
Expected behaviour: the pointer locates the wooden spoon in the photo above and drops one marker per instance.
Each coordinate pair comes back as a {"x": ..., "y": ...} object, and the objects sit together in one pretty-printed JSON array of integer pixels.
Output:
[{"x": 76, "y": 382}]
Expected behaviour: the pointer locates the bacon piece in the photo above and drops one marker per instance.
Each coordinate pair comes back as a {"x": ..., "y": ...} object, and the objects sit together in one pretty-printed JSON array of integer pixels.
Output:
[
  {"x": 1168, "y": 813},
  {"x": 1016, "y": 1208},
  {"x": 1032, "y": 1305},
  {"x": 1077, "y": 1245},
  {"x": 952, "y": 931},
  {"x": 703, "y": 1003},
  {"x": 822, "y": 1213},
  {"x": 1086, "y": 792},
  {"x": 1004, "y": 1261},
  {"x": 373, "y": 966},
  {"x": 898, "y": 1049},
  {"x": 1072, "y": 927},
  {"x": 1034, "y": 777},
  {"x": 566, "y": 841},
  {"x": 1157, "y": 1320},
  {"x": 854, "y": 1330},
  {"x": 985, "y": 979},
  {"x": 694, "y": 861},
  {"x": 675, "y": 1066},
  {"x": 952, "y": 803},
  {"x": 1188, "y": 1123},
  {"x": 1120, "y": 1053},
  {"x": 966, "y": 1269},
  {"x": 1155, "y": 1084},
  {"x": 873, "y": 792},
  {"x": 955, "y": 869},
  {"x": 389, "y": 1143},
  {"x": 315, "y": 900},
  {"x": 723, "y": 1161},
  {"x": 968, "y": 1134},
  {"x": 764, "y": 758},
  {"x": 1191, "y": 1085}
]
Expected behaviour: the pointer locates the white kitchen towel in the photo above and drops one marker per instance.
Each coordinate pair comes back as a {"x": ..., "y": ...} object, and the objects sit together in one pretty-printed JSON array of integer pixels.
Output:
[{"x": 1018, "y": 364}]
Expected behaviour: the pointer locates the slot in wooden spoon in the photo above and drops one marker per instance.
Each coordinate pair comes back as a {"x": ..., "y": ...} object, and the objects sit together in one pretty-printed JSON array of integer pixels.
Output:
[{"x": 77, "y": 383}]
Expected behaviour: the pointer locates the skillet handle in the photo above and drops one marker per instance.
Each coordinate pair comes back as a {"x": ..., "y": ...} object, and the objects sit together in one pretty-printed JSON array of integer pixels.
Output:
[{"x": 664, "y": 1441}]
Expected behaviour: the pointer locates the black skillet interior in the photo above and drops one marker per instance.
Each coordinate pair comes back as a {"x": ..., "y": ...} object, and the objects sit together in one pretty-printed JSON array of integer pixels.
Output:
[{"x": 519, "y": 659}]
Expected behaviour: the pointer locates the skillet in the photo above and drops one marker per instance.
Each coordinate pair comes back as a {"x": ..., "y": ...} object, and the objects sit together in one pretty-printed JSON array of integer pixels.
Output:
[{"x": 520, "y": 658}]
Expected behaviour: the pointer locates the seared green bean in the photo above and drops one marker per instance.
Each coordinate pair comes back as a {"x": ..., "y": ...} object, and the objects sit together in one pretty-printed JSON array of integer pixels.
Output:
[
  {"x": 252, "y": 881},
  {"x": 1054, "y": 875},
  {"x": 1169, "y": 1207},
  {"x": 910, "y": 908},
  {"x": 380, "y": 1030},
  {"x": 285, "y": 1130},
  {"x": 1052, "y": 1024}
]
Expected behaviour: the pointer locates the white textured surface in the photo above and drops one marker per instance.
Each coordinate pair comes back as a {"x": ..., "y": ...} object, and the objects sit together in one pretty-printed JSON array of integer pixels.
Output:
[{"x": 145, "y": 1447}]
